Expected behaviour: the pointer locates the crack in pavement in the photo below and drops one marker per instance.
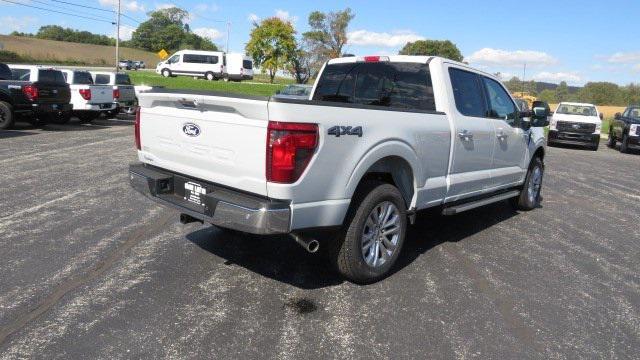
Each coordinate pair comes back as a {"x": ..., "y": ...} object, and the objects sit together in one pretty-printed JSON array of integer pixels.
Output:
[{"x": 99, "y": 269}]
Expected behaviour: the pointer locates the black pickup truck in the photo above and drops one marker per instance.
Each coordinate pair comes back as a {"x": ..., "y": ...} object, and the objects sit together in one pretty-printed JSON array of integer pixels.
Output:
[{"x": 32, "y": 93}]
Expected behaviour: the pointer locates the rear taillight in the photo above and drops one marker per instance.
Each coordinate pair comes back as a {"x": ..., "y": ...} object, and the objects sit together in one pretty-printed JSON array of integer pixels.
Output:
[
  {"x": 374, "y": 58},
  {"x": 290, "y": 147},
  {"x": 116, "y": 94},
  {"x": 136, "y": 129},
  {"x": 85, "y": 93},
  {"x": 30, "y": 92}
]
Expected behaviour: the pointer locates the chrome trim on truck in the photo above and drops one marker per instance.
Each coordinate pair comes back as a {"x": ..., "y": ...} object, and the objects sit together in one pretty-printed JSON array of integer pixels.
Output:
[{"x": 221, "y": 207}]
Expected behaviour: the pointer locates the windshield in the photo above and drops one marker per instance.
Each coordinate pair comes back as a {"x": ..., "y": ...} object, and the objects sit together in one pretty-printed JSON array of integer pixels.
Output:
[
  {"x": 634, "y": 113},
  {"x": 584, "y": 110},
  {"x": 122, "y": 79}
]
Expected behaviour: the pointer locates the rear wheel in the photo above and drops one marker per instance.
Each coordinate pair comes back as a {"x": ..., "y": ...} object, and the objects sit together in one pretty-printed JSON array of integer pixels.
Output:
[
  {"x": 612, "y": 140},
  {"x": 373, "y": 233},
  {"x": 624, "y": 146},
  {"x": 529, "y": 197},
  {"x": 6, "y": 116},
  {"x": 210, "y": 76}
]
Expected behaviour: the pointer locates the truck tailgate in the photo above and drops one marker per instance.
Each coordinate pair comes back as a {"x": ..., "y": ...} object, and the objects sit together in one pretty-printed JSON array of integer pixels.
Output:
[
  {"x": 127, "y": 93},
  {"x": 53, "y": 93},
  {"x": 214, "y": 138},
  {"x": 101, "y": 94}
]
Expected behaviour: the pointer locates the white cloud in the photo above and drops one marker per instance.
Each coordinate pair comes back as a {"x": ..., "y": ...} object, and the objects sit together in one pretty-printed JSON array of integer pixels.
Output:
[
  {"x": 498, "y": 57},
  {"x": 624, "y": 57},
  {"x": 207, "y": 8},
  {"x": 10, "y": 23},
  {"x": 209, "y": 33},
  {"x": 253, "y": 18},
  {"x": 165, "y": 6},
  {"x": 285, "y": 16},
  {"x": 370, "y": 38},
  {"x": 126, "y": 32},
  {"x": 570, "y": 77},
  {"x": 133, "y": 6}
]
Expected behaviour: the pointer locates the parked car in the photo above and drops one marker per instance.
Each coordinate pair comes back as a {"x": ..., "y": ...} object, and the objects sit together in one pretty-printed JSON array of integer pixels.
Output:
[
  {"x": 124, "y": 95},
  {"x": 295, "y": 91},
  {"x": 89, "y": 100},
  {"x": 140, "y": 64},
  {"x": 576, "y": 124},
  {"x": 238, "y": 67},
  {"x": 359, "y": 159},
  {"x": 207, "y": 64},
  {"x": 626, "y": 129},
  {"x": 36, "y": 94}
]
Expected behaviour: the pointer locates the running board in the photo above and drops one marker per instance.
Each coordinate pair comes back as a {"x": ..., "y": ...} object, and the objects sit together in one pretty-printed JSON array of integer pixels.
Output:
[{"x": 456, "y": 209}]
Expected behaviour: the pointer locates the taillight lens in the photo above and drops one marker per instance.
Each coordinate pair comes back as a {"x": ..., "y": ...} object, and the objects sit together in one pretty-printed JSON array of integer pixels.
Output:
[
  {"x": 290, "y": 147},
  {"x": 30, "y": 92},
  {"x": 116, "y": 94},
  {"x": 85, "y": 93},
  {"x": 136, "y": 128}
]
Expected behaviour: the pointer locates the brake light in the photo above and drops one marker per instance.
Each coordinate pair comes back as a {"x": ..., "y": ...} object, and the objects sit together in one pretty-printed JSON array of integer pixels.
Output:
[
  {"x": 290, "y": 147},
  {"x": 136, "y": 129},
  {"x": 374, "y": 58},
  {"x": 30, "y": 92},
  {"x": 85, "y": 93},
  {"x": 116, "y": 94}
]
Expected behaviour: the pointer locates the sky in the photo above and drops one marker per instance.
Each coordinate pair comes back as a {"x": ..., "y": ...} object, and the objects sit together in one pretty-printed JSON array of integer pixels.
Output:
[{"x": 561, "y": 40}]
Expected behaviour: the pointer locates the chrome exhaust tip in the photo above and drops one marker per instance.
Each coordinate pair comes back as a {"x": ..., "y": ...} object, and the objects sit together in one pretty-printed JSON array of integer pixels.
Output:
[{"x": 311, "y": 245}]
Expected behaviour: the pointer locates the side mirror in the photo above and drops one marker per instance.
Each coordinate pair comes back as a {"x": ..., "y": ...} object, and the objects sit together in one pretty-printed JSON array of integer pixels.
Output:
[
  {"x": 601, "y": 116},
  {"x": 540, "y": 117},
  {"x": 540, "y": 112},
  {"x": 618, "y": 116}
]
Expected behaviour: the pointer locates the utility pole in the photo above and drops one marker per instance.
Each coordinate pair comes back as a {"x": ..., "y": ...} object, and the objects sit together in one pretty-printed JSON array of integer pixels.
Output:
[
  {"x": 524, "y": 75},
  {"x": 118, "y": 38}
]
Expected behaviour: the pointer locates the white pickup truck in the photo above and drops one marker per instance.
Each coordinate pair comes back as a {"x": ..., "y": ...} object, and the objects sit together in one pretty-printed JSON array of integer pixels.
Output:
[
  {"x": 576, "y": 124},
  {"x": 379, "y": 139},
  {"x": 88, "y": 100},
  {"x": 123, "y": 91}
]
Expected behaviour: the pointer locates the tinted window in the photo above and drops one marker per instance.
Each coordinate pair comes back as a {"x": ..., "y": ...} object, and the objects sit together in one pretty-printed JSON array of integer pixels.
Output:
[
  {"x": 199, "y": 59},
  {"x": 247, "y": 64},
  {"x": 123, "y": 79},
  {"x": 82, "y": 78},
  {"x": 467, "y": 93},
  {"x": 634, "y": 113},
  {"x": 5, "y": 72},
  {"x": 500, "y": 104},
  {"x": 51, "y": 76},
  {"x": 20, "y": 74},
  {"x": 396, "y": 85},
  {"x": 102, "y": 79}
]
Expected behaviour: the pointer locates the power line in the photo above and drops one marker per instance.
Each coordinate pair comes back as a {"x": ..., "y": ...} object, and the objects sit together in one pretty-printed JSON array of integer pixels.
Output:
[
  {"x": 58, "y": 12},
  {"x": 64, "y": 9},
  {"x": 95, "y": 8}
]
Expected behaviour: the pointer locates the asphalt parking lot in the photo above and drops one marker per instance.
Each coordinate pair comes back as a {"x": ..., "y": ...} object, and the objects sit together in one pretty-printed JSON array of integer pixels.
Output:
[{"x": 90, "y": 269}]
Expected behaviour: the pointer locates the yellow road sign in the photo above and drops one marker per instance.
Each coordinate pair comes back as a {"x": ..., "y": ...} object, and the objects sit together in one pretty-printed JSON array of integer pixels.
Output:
[{"x": 163, "y": 54}]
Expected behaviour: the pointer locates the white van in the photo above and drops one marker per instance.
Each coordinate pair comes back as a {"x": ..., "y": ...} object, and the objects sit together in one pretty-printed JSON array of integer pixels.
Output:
[
  {"x": 239, "y": 67},
  {"x": 207, "y": 64}
]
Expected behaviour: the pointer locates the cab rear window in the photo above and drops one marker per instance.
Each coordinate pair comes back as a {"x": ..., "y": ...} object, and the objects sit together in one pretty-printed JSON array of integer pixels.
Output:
[
  {"x": 51, "y": 77},
  {"x": 82, "y": 78},
  {"x": 123, "y": 79},
  {"x": 102, "y": 79},
  {"x": 247, "y": 64},
  {"x": 393, "y": 85}
]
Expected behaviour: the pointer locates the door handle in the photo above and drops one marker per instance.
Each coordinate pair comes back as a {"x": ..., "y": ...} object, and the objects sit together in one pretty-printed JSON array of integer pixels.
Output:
[
  {"x": 502, "y": 136},
  {"x": 465, "y": 135}
]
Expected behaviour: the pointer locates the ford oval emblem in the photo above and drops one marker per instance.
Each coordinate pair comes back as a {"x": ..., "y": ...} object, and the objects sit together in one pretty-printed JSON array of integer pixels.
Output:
[{"x": 191, "y": 129}]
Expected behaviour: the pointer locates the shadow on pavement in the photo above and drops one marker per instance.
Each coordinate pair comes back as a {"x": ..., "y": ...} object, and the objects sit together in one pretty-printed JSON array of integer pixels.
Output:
[
  {"x": 281, "y": 259},
  {"x": 6, "y": 134}
]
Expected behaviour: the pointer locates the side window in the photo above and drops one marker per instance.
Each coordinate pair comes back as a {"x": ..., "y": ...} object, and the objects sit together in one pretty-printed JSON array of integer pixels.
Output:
[
  {"x": 500, "y": 104},
  {"x": 467, "y": 93},
  {"x": 21, "y": 74},
  {"x": 174, "y": 59},
  {"x": 627, "y": 112}
]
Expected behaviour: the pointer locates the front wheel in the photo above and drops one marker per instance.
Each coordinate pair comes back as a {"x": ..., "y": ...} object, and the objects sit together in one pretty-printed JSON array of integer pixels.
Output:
[
  {"x": 529, "y": 197},
  {"x": 6, "y": 116},
  {"x": 624, "y": 146},
  {"x": 166, "y": 73},
  {"x": 59, "y": 118},
  {"x": 612, "y": 140},
  {"x": 373, "y": 233}
]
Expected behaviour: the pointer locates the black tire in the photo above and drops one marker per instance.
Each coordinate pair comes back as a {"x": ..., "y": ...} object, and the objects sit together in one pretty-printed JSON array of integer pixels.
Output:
[
  {"x": 88, "y": 116},
  {"x": 612, "y": 140},
  {"x": 6, "y": 116},
  {"x": 624, "y": 144},
  {"x": 595, "y": 146},
  {"x": 166, "y": 72},
  {"x": 348, "y": 250},
  {"x": 525, "y": 202}
]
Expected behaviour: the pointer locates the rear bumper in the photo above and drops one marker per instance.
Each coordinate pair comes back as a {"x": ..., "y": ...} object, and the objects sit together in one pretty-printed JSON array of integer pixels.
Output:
[
  {"x": 95, "y": 107},
  {"x": 43, "y": 108},
  {"x": 560, "y": 137},
  {"x": 223, "y": 207}
]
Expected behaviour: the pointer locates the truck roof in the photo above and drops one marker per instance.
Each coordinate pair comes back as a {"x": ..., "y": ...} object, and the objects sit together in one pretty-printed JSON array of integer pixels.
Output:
[{"x": 575, "y": 103}]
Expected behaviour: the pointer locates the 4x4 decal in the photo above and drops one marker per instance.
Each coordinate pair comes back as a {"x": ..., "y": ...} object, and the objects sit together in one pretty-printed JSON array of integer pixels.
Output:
[{"x": 338, "y": 131}]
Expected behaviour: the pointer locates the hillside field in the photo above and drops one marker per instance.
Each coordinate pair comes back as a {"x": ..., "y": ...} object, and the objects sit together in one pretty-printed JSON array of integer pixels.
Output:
[{"x": 50, "y": 51}]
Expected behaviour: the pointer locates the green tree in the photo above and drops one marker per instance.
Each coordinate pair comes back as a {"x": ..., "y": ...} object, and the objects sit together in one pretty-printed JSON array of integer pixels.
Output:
[
  {"x": 631, "y": 94},
  {"x": 601, "y": 93},
  {"x": 327, "y": 37},
  {"x": 272, "y": 45},
  {"x": 445, "y": 48},
  {"x": 548, "y": 96},
  {"x": 562, "y": 92}
]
